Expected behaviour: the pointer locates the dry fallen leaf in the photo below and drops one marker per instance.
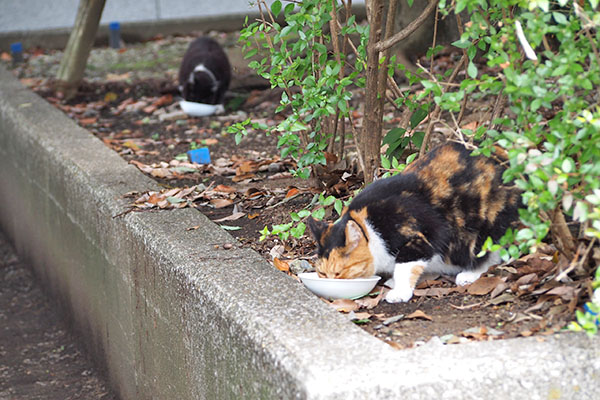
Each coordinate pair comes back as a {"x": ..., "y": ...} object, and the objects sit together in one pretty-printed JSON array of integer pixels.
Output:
[
  {"x": 527, "y": 279},
  {"x": 483, "y": 285},
  {"x": 362, "y": 315},
  {"x": 224, "y": 189},
  {"x": 281, "y": 265},
  {"x": 438, "y": 292},
  {"x": 247, "y": 167},
  {"x": 221, "y": 203},
  {"x": 566, "y": 292},
  {"x": 344, "y": 305},
  {"x": 88, "y": 121},
  {"x": 292, "y": 192},
  {"x": 370, "y": 302},
  {"x": 233, "y": 217},
  {"x": 419, "y": 314}
]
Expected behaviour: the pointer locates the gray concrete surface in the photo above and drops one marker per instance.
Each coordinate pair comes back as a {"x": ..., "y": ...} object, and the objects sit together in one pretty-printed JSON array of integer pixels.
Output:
[
  {"x": 172, "y": 317},
  {"x": 33, "y": 15},
  {"x": 49, "y": 25}
]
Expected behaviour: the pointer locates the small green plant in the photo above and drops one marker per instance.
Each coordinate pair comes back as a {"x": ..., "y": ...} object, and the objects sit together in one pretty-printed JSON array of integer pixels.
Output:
[
  {"x": 297, "y": 57},
  {"x": 297, "y": 227}
]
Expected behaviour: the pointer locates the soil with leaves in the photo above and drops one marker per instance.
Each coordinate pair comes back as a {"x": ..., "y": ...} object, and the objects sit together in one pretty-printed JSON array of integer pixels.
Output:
[{"x": 129, "y": 101}]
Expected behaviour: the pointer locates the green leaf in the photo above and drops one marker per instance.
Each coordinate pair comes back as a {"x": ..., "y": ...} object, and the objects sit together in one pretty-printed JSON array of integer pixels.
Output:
[
  {"x": 411, "y": 158},
  {"x": 318, "y": 214},
  {"x": 276, "y": 7},
  {"x": 524, "y": 234},
  {"x": 417, "y": 138},
  {"x": 385, "y": 162},
  {"x": 338, "y": 206},
  {"x": 250, "y": 53},
  {"x": 298, "y": 230},
  {"x": 568, "y": 165},
  {"x": 328, "y": 201},
  {"x": 264, "y": 233},
  {"x": 472, "y": 70},
  {"x": 461, "y": 44},
  {"x": 559, "y": 18},
  {"x": 303, "y": 213},
  {"x": 418, "y": 116}
]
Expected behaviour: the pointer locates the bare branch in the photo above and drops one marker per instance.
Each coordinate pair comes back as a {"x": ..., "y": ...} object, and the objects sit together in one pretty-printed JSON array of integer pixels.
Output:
[{"x": 410, "y": 28}]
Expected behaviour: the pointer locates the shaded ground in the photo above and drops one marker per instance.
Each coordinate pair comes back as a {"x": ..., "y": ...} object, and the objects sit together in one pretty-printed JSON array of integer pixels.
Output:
[
  {"x": 39, "y": 359},
  {"x": 247, "y": 187}
]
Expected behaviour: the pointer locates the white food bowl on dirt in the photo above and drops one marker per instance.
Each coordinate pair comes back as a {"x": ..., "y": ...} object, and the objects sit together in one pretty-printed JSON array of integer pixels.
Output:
[
  {"x": 200, "y": 109},
  {"x": 338, "y": 288}
]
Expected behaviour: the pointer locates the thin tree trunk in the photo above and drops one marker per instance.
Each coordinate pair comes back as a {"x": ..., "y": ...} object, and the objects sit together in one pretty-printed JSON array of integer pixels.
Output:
[
  {"x": 370, "y": 138},
  {"x": 74, "y": 60}
]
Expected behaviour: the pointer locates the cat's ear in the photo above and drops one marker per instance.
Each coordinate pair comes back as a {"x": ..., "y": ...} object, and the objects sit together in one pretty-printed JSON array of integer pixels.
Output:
[
  {"x": 353, "y": 235},
  {"x": 316, "y": 228}
]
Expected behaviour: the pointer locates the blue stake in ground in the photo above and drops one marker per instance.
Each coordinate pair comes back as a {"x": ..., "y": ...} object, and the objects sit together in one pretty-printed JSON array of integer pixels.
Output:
[
  {"x": 114, "y": 37},
  {"x": 199, "y": 156}
]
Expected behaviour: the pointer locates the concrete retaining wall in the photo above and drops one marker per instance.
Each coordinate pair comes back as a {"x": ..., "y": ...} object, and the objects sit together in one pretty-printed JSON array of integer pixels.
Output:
[{"x": 171, "y": 317}]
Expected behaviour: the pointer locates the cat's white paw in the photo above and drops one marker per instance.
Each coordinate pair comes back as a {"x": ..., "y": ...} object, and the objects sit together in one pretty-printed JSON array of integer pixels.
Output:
[
  {"x": 399, "y": 295},
  {"x": 467, "y": 277}
]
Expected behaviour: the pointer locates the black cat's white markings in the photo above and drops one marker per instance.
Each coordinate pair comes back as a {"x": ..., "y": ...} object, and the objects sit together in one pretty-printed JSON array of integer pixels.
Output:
[
  {"x": 205, "y": 72},
  {"x": 433, "y": 217}
]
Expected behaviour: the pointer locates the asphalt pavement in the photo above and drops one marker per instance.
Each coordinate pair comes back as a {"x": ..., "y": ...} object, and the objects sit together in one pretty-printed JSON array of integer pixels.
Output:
[{"x": 39, "y": 357}]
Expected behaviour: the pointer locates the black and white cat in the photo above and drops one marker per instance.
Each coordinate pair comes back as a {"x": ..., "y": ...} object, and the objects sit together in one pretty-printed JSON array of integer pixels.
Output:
[
  {"x": 433, "y": 217},
  {"x": 205, "y": 72}
]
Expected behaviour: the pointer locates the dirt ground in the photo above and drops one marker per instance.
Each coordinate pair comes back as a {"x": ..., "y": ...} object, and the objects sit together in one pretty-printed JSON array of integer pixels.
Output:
[
  {"x": 248, "y": 187},
  {"x": 39, "y": 358}
]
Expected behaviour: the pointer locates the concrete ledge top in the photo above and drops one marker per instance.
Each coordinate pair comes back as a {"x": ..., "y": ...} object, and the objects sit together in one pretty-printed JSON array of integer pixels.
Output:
[{"x": 308, "y": 350}]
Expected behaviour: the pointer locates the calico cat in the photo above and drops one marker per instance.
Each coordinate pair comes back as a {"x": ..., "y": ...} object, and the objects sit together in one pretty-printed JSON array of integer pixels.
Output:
[
  {"x": 205, "y": 72},
  {"x": 433, "y": 217}
]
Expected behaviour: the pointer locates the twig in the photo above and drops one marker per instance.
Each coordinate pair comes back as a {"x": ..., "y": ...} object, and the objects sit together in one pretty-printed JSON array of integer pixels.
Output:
[
  {"x": 437, "y": 111},
  {"x": 467, "y": 307},
  {"x": 562, "y": 234},
  {"x": 410, "y": 28},
  {"x": 499, "y": 106},
  {"x": 354, "y": 137},
  {"x": 577, "y": 263}
]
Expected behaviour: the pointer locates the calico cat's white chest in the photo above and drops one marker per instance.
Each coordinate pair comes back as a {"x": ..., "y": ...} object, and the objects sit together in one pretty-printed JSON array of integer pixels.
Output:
[{"x": 383, "y": 261}]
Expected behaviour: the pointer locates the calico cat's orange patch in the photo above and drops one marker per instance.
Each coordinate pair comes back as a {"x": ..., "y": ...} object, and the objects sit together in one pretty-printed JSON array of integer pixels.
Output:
[
  {"x": 343, "y": 265},
  {"x": 354, "y": 259},
  {"x": 437, "y": 175},
  {"x": 415, "y": 274}
]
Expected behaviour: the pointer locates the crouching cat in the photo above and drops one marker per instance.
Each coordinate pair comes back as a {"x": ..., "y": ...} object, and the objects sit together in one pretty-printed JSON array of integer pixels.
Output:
[
  {"x": 433, "y": 217},
  {"x": 205, "y": 72}
]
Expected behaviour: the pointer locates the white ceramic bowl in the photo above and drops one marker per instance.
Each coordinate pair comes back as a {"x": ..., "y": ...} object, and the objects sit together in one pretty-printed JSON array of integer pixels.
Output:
[
  {"x": 338, "y": 288},
  {"x": 199, "y": 109}
]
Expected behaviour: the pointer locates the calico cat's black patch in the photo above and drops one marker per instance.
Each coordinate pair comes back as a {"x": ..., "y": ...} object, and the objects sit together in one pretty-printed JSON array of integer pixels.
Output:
[
  {"x": 205, "y": 72},
  {"x": 439, "y": 211}
]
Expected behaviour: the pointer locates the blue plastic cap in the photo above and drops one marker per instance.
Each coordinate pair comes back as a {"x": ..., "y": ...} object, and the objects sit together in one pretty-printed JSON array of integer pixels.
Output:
[
  {"x": 114, "y": 26},
  {"x": 199, "y": 156},
  {"x": 16, "y": 47}
]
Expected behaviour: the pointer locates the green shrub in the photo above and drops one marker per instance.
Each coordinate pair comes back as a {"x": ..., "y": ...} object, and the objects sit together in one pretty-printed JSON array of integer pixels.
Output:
[{"x": 551, "y": 133}]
